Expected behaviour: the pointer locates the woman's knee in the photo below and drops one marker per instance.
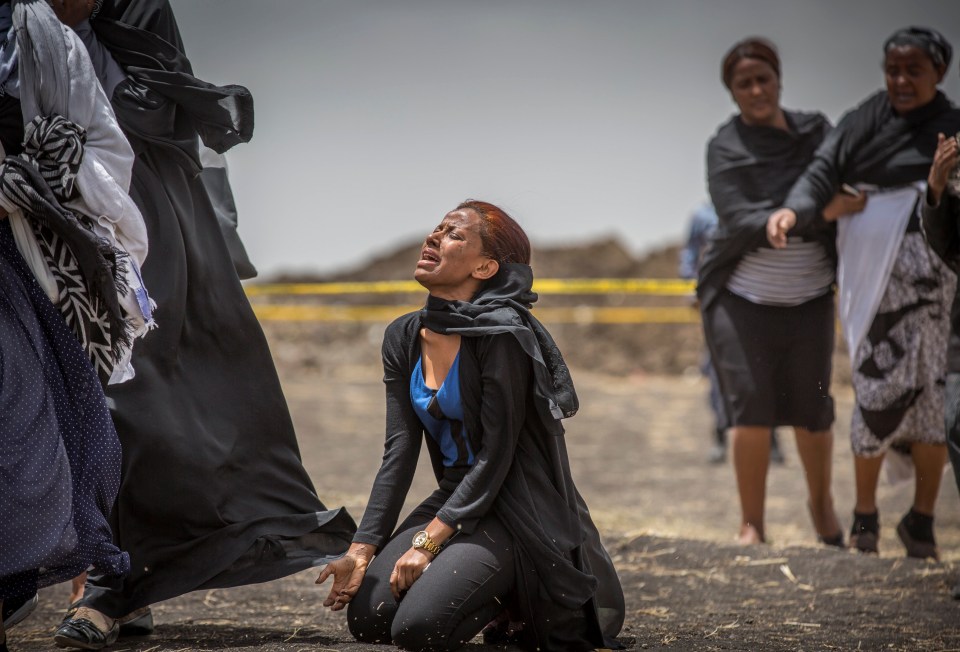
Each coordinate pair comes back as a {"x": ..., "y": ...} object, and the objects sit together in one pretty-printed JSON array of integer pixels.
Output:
[
  {"x": 423, "y": 632},
  {"x": 368, "y": 624}
]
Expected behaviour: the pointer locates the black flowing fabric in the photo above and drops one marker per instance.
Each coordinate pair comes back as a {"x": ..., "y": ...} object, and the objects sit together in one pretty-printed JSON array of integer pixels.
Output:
[
  {"x": 750, "y": 170},
  {"x": 872, "y": 144},
  {"x": 568, "y": 592},
  {"x": 214, "y": 493},
  {"x": 60, "y": 467}
]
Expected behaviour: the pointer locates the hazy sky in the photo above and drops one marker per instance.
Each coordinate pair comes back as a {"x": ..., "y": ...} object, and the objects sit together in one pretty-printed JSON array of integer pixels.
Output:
[{"x": 583, "y": 119}]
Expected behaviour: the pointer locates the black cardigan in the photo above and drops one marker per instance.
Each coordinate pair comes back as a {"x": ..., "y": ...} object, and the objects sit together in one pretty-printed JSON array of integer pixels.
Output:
[
  {"x": 941, "y": 227},
  {"x": 570, "y": 595},
  {"x": 750, "y": 170}
]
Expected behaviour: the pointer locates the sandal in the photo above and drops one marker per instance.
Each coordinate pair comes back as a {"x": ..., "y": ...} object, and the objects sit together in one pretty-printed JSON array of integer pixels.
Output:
[
  {"x": 916, "y": 532},
  {"x": 83, "y": 634},
  {"x": 865, "y": 533},
  {"x": 16, "y": 609}
]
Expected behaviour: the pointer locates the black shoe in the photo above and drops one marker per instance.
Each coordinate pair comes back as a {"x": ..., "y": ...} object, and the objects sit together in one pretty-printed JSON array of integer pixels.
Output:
[
  {"x": 16, "y": 609},
  {"x": 138, "y": 623},
  {"x": 865, "y": 533},
  {"x": 916, "y": 532},
  {"x": 82, "y": 634},
  {"x": 955, "y": 593}
]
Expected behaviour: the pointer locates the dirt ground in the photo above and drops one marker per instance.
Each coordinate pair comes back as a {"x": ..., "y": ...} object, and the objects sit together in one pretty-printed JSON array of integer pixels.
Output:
[{"x": 638, "y": 451}]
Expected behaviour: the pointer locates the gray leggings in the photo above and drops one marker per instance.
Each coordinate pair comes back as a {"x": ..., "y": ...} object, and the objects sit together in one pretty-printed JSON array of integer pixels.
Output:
[{"x": 462, "y": 590}]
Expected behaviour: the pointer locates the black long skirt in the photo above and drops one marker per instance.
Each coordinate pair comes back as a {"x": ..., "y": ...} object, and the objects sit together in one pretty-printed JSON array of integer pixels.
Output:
[{"x": 213, "y": 491}]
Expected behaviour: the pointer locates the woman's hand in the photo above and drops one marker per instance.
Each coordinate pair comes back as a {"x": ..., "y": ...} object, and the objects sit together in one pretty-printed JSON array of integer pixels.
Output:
[
  {"x": 778, "y": 224},
  {"x": 348, "y": 573},
  {"x": 408, "y": 570},
  {"x": 72, "y": 12},
  {"x": 844, "y": 204},
  {"x": 944, "y": 162}
]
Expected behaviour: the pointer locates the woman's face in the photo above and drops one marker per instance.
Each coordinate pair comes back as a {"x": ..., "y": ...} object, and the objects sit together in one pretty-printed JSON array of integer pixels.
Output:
[
  {"x": 756, "y": 90},
  {"x": 452, "y": 263},
  {"x": 911, "y": 78}
]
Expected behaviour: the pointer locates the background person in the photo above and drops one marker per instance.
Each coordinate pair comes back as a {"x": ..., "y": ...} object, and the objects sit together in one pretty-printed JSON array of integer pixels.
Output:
[
  {"x": 894, "y": 291},
  {"x": 768, "y": 317},
  {"x": 206, "y": 401}
]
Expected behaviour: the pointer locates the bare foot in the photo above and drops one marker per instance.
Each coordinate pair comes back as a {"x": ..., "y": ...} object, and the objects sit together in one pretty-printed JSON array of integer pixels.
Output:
[
  {"x": 749, "y": 535},
  {"x": 76, "y": 587}
]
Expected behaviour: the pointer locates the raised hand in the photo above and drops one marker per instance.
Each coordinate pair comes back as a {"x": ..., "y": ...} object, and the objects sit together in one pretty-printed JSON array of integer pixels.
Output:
[{"x": 944, "y": 163}]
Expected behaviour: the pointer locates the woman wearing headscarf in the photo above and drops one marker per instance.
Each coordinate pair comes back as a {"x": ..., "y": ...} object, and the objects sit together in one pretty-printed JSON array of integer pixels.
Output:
[
  {"x": 894, "y": 291},
  {"x": 768, "y": 314},
  {"x": 214, "y": 493},
  {"x": 506, "y": 535}
]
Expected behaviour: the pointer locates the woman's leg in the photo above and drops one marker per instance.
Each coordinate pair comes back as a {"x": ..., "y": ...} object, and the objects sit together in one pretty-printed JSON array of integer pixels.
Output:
[
  {"x": 463, "y": 589},
  {"x": 867, "y": 474},
  {"x": 816, "y": 455},
  {"x": 929, "y": 460},
  {"x": 750, "y": 447},
  {"x": 371, "y": 612}
]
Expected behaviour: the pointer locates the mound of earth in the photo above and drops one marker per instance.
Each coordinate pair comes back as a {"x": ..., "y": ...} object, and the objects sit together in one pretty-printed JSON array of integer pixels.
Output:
[{"x": 620, "y": 349}]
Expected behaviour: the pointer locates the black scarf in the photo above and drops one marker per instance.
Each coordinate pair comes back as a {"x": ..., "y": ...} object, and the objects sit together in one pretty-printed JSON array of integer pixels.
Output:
[{"x": 503, "y": 306}]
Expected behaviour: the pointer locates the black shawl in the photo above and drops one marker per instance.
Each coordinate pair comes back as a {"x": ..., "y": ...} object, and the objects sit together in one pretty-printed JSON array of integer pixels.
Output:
[
  {"x": 750, "y": 170},
  {"x": 161, "y": 101},
  {"x": 872, "y": 144}
]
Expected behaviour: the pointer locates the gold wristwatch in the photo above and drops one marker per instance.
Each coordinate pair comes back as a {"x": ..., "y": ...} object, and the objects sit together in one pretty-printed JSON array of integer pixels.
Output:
[{"x": 422, "y": 541}]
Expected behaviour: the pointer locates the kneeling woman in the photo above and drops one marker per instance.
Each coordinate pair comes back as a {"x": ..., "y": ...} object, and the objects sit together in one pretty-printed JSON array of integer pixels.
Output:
[{"x": 506, "y": 539}]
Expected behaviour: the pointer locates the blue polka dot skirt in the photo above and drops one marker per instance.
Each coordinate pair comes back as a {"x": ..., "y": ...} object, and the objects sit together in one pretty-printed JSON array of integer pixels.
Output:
[{"x": 59, "y": 452}]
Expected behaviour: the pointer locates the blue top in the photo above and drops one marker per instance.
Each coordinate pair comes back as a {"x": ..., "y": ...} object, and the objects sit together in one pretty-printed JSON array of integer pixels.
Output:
[{"x": 441, "y": 412}]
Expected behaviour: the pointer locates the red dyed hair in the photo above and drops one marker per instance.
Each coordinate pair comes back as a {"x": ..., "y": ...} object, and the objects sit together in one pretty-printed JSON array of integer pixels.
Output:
[{"x": 503, "y": 239}]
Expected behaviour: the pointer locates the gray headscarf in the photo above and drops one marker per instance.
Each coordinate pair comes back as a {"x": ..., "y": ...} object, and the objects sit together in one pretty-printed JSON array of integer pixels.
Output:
[{"x": 929, "y": 40}]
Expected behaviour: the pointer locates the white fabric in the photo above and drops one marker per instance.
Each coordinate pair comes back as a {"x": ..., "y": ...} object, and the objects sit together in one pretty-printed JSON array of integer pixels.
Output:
[
  {"x": 867, "y": 245},
  {"x": 57, "y": 77}
]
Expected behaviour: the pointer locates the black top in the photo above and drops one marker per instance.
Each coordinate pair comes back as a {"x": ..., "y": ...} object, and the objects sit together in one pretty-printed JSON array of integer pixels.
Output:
[
  {"x": 750, "y": 170},
  {"x": 521, "y": 473},
  {"x": 941, "y": 226}
]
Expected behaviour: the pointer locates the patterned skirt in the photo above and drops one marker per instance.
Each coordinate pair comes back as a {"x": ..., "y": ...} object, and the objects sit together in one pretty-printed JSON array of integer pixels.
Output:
[
  {"x": 59, "y": 452},
  {"x": 900, "y": 367}
]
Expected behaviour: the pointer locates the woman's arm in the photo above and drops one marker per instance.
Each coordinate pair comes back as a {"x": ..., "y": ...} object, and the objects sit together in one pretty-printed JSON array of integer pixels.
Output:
[{"x": 940, "y": 210}]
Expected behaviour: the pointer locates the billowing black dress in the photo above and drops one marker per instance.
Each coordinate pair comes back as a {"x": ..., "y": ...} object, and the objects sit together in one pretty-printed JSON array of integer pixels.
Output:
[{"x": 214, "y": 493}]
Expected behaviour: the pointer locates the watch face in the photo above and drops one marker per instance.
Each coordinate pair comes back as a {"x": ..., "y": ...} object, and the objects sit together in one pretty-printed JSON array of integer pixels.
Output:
[{"x": 419, "y": 538}]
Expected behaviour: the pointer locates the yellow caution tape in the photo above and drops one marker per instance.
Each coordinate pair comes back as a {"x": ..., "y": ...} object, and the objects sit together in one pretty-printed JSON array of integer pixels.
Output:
[
  {"x": 649, "y": 286},
  {"x": 554, "y": 315}
]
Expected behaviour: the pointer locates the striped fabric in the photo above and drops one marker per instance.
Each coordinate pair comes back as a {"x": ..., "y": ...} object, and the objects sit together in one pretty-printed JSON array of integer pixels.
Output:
[
  {"x": 783, "y": 277},
  {"x": 88, "y": 271}
]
